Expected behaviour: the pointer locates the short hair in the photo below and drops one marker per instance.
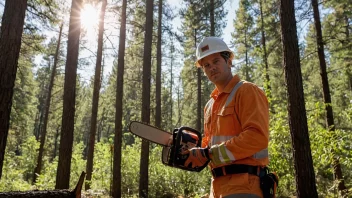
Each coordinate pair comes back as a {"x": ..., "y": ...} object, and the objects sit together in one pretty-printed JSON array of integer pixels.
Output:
[{"x": 226, "y": 55}]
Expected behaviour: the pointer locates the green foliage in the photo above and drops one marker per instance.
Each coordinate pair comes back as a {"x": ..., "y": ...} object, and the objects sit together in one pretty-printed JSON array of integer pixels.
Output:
[
  {"x": 102, "y": 176},
  {"x": 167, "y": 181},
  {"x": 47, "y": 178},
  {"x": 19, "y": 165},
  {"x": 163, "y": 180},
  {"x": 280, "y": 152},
  {"x": 24, "y": 97}
]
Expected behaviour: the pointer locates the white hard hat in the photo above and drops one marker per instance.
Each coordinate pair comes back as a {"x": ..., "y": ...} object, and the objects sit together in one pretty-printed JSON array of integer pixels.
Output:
[{"x": 211, "y": 45}]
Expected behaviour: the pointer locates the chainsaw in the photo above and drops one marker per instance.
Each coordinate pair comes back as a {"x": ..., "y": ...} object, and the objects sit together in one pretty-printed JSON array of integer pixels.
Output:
[{"x": 175, "y": 144}]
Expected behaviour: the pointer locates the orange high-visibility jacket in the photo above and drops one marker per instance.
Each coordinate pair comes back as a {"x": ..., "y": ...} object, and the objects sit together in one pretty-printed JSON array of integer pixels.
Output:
[{"x": 236, "y": 125}]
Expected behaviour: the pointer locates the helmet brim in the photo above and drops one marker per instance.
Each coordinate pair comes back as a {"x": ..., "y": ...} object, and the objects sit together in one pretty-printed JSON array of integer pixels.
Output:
[{"x": 197, "y": 64}]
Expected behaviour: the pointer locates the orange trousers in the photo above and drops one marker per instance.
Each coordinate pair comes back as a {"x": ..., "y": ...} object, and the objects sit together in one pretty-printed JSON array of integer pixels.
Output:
[{"x": 236, "y": 186}]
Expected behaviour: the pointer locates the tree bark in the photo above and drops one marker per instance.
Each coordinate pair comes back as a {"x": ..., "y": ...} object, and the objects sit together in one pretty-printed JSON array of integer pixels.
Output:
[
  {"x": 55, "y": 143},
  {"x": 199, "y": 89},
  {"x": 116, "y": 182},
  {"x": 265, "y": 56},
  {"x": 158, "y": 68},
  {"x": 326, "y": 94},
  {"x": 246, "y": 54},
  {"x": 95, "y": 102},
  {"x": 172, "y": 50},
  {"x": 101, "y": 125},
  {"x": 10, "y": 45},
  {"x": 212, "y": 18},
  {"x": 349, "y": 59},
  {"x": 68, "y": 115},
  {"x": 303, "y": 163},
  {"x": 38, "y": 168},
  {"x": 144, "y": 163}
]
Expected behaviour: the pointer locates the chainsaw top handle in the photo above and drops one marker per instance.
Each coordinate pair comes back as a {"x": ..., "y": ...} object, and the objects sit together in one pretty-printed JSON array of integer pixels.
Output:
[{"x": 188, "y": 129}]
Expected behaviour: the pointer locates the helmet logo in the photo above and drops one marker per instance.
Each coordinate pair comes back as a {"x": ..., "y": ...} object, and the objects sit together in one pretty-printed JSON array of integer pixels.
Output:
[{"x": 205, "y": 48}]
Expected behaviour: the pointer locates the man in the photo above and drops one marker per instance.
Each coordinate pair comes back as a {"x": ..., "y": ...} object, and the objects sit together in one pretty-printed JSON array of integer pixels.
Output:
[{"x": 236, "y": 126}]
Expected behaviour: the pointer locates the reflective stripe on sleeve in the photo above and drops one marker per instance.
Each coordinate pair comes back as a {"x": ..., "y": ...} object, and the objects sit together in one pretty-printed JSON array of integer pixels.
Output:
[
  {"x": 220, "y": 154},
  {"x": 261, "y": 154}
]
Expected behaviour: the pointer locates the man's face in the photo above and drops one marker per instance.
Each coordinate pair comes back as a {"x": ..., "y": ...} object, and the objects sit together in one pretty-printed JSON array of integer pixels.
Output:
[{"x": 217, "y": 69}]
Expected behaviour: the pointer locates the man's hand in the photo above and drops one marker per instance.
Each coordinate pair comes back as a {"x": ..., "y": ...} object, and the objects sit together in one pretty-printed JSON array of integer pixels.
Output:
[{"x": 197, "y": 157}]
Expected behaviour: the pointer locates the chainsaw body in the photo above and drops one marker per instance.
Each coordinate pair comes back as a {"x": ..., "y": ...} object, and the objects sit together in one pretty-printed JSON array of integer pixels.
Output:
[{"x": 176, "y": 153}]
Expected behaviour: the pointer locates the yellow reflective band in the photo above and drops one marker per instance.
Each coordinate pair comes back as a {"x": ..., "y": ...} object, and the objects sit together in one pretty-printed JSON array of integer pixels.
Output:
[
  {"x": 216, "y": 155},
  {"x": 225, "y": 158}
]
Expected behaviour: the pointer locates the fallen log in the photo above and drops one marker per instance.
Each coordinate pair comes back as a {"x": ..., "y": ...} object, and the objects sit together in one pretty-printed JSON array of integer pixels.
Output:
[{"x": 65, "y": 193}]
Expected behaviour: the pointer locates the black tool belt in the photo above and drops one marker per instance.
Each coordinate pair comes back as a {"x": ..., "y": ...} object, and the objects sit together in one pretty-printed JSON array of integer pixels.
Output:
[{"x": 235, "y": 169}]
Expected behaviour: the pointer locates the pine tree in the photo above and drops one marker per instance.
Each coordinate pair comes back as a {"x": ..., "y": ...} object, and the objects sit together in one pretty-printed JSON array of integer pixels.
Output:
[
  {"x": 158, "y": 70},
  {"x": 269, "y": 14},
  {"x": 66, "y": 140},
  {"x": 10, "y": 44},
  {"x": 143, "y": 179},
  {"x": 197, "y": 24},
  {"x": 326, "y": 93},
  {"x": 194, "y": 26},
  {"x": 47, "y": 107},
  {"x": 243, "y": 39},
  {"x": 305, "y": 178},
  {"x": 337, "y": 39},
  {"x": 116, "y": 185},
  {"x": 267, "y": 86},
  {"x": 95, "y": 100}
]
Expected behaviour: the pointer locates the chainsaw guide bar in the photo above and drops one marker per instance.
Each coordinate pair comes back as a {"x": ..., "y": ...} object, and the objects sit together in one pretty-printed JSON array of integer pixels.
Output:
[{"x": 150, "y": 133}]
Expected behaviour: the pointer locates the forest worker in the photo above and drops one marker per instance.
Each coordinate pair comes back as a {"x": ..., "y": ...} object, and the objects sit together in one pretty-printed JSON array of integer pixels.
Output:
[{"x": 236, "y": 126}]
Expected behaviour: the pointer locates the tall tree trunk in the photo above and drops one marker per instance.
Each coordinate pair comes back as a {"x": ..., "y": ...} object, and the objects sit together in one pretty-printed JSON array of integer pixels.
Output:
[
  {"x": 68, "y": 114},
  {"x": 158, "y": 68},
  {"x": 349, "y": 59},
  {"x": 246, "y": 55},
  {"x": 36, "y": 126},
  {"x": 38, "y": 168},
  {"x": 212, "y": 18},
  {"x": 101, "y": 125},
  {"x": 179, "y": 109},
  {"x": 10, "y": 45},
  {"x": 116, "y": 180},
  {"x": 55, "y": 143},
  {"x": 326, "y": 93},
  {"x": 95, "y": 102},
  {"x": 40, "y": 120},
  {"x": 172, "y": 51},
  {"x": 199, "y": 89},
  {"x": 303, "y": 163},
  {"x": 265, "y": 56},
  {"x": 147, "y": 56}
]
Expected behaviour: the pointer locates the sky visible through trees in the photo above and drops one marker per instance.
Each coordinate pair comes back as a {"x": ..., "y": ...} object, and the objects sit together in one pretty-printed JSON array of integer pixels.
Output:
[{"x": 88, "y": 70}]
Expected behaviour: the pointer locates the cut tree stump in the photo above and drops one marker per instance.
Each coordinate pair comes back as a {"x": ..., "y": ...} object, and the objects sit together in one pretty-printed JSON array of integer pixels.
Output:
[{"x": 65, "y": 193}]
